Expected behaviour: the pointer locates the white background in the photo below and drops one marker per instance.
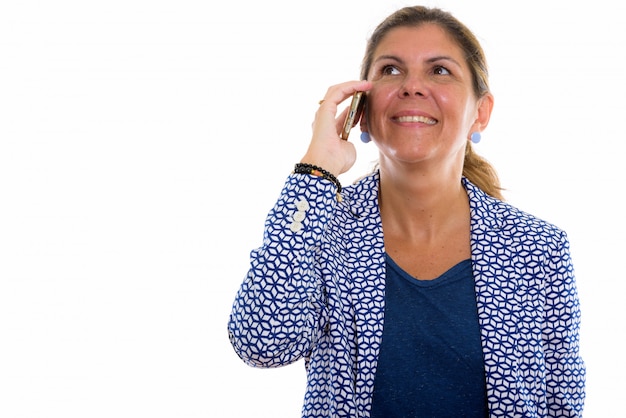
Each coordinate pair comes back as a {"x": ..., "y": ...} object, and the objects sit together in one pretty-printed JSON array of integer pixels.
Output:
[{"x": 143, "y": 142}]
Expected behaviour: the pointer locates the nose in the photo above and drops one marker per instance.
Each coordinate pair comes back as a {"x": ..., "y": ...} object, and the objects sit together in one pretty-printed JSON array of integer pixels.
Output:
[
  {"x": 409, "y": 94},
  {"x": 413, "y": 87}
]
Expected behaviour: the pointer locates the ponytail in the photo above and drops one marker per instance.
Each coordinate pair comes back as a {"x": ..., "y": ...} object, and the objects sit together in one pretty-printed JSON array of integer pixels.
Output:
[{"x": 480, "y": 172}]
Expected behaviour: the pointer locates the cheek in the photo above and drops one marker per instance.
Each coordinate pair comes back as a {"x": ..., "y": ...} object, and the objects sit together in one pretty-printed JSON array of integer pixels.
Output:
[
  {"x": 449, "y": 101},
  {"x": 382, "y": 92},
  {"x": 378, "y": 99},
  {"x": 458, "y": 103}
]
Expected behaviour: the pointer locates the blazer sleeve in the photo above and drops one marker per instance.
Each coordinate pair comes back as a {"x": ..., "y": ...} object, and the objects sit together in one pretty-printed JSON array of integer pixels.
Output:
[
  {"x": 279, "y": 310},
  {"x": 565, "y": 381}
]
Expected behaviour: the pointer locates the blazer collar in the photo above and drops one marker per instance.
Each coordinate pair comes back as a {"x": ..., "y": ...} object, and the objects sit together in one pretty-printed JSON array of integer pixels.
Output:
[
  {"x": 487, "y": 213},
  {"x": 362, "y": 196}
]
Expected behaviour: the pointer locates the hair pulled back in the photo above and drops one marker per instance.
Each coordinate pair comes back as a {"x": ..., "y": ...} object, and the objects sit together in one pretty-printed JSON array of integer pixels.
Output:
[{"x": 477, "y": 169}]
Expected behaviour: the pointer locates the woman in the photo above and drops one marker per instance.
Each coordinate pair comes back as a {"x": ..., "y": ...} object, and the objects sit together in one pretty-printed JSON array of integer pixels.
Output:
[{"x": 416, "y": 291}]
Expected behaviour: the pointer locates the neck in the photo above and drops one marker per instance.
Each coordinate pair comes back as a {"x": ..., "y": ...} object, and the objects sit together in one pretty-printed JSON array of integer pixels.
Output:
[{"x": 421, "y": 202}]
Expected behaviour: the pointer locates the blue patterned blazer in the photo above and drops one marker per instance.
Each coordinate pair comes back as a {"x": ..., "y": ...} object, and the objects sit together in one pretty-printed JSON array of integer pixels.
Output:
[{"x": 315, "y": 291}]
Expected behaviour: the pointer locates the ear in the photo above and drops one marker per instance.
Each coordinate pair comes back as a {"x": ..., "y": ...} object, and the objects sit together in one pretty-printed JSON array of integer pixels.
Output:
[{"x": 485, "y": 106}]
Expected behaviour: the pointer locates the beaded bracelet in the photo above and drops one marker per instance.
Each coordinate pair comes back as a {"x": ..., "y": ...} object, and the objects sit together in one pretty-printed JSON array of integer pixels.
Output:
[{"x": 303, "y": 168}]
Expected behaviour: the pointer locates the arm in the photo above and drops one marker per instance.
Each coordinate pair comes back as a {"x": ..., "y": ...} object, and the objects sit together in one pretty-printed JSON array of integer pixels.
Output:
[
  {"x": 278, "y": 313},
  {"x": 565, "y": 369}
]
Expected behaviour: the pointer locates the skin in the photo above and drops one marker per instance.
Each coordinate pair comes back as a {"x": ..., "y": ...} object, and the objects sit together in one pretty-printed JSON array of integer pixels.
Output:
[{"x": 421, "y": 111}]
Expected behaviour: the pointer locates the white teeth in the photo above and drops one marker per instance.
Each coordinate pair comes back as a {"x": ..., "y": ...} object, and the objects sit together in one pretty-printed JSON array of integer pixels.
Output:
[{"x": 422, "y": 119}]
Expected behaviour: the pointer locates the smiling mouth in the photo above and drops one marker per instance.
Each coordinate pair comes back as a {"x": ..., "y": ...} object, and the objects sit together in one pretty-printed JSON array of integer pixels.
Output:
[{"x": 421, "y": 119}]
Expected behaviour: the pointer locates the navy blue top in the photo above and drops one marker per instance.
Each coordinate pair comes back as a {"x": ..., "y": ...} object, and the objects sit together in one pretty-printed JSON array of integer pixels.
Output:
[{"x": 431, "y": 361}]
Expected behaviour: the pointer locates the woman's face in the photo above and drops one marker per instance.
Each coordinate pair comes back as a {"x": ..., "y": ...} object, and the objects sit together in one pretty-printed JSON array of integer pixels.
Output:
[{"x": 421, "y": 106}]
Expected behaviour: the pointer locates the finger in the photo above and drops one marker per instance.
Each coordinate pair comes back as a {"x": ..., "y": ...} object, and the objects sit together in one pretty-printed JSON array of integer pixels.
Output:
[{"x": 338, "y": 93}]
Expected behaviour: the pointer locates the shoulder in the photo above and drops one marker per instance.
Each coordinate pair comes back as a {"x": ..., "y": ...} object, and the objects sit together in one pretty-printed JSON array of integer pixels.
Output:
[
  {"x": 361, "y": 197},
  {"x": 489, "y": 213},
  {"x": 364, "y": 186}
]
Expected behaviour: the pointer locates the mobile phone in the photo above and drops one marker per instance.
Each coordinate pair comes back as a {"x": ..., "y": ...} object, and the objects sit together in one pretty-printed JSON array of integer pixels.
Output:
[{"x": 356, "y": 108}]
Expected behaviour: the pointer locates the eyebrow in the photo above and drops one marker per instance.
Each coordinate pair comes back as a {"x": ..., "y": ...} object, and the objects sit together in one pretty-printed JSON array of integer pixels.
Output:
[{"x": 430, "y": 60}]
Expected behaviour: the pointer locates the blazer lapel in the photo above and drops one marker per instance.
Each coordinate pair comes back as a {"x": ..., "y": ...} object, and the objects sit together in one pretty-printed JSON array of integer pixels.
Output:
[
  {"x": 367, "y": 275},
  {"x": 496, "y": 281}
]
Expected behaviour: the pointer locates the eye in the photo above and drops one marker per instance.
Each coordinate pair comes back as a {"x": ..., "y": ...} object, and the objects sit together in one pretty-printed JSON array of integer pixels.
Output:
[
  {"x": 440, "y": 70},
  {"x": 390, "y": 70}
]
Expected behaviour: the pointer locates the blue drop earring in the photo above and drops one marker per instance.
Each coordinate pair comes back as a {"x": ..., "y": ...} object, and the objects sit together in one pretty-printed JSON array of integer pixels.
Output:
[
  {"x": 475, "y": 137},
  {"x": 365, "y": 137}
]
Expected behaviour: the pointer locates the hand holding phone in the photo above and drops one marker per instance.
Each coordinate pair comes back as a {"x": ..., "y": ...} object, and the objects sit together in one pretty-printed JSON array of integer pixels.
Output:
[{"x": 354, "y": 113}]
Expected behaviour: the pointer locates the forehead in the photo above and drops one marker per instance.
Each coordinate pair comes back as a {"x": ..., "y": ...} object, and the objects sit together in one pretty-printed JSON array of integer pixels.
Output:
[{"x": 425, "y": 38}]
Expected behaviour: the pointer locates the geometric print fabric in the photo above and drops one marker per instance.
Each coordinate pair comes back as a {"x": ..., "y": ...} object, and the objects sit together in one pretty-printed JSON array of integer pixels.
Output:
[{"x": 315, "y": 291}]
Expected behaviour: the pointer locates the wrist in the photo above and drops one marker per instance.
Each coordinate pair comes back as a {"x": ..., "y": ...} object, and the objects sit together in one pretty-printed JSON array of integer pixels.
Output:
[
  {"x": 327, "y": 164},
  {"x": 315, "y": 170}
]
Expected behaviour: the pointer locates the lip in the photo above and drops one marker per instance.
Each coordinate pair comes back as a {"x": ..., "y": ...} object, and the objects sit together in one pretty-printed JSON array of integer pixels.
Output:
[{"x": 413, "y": 117}]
